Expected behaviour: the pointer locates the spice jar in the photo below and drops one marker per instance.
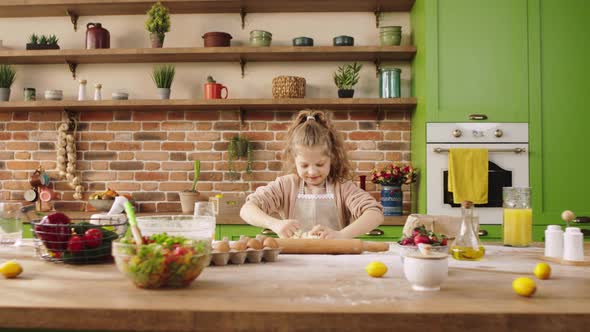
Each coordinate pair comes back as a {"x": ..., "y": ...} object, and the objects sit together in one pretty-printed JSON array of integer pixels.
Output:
[
  {"x": 389, "y": 83},
  {"x": 518, "y": 217}
]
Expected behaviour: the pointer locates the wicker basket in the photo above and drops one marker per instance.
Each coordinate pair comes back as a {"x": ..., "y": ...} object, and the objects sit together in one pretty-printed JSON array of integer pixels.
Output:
[{"x": 288, "y": 87}]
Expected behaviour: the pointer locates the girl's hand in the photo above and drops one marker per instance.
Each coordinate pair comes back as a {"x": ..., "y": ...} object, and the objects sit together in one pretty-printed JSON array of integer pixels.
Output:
[
  {"x": 285, "y": 228},
  {"x": 324, "y": 232}
]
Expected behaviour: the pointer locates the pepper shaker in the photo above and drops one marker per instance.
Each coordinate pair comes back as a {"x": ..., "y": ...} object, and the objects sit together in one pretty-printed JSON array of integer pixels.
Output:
[
  {"x": 97, "y": 93},
  {"x": 573, "y": 244}
]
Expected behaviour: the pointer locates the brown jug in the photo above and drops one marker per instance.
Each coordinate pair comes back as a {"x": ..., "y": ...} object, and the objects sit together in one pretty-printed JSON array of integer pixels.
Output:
[{"x": 97, "y": 36}]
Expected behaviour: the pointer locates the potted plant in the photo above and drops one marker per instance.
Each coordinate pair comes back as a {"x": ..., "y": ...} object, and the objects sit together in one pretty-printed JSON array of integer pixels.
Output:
[
  {"x": 188, "y": 198},
  {"x": 163, "y": 76},
  {"x": 237, "y": 148},
  {"x": 42, "y": 42},
  {"x": 158, "y": 23},
  {"x": 7, "y": 75},
  {"x": 346, "y": 77},
  {"x": 391, "y": 177}
]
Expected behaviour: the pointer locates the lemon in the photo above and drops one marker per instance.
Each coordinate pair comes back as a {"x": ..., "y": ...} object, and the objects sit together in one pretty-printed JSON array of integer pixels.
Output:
[
  {"x": 11, "y": 269},
  {"x": 376, "y": 269},
  {"x": 524, "y": 286},
  {"x": 542, "y": 271}
]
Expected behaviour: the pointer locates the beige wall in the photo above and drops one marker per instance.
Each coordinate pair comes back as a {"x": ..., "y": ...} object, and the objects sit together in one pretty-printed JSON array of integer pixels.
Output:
[{"x": 186, "y": 31}]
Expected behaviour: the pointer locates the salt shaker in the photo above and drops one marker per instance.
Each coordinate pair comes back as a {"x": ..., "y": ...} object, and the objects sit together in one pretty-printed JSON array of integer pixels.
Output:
[
  {"x": 97, "y": 93},
  {"x": 554, "y": 241},
  {"x": 82, "y": 90},
  {"x": 573, "y": 244}
]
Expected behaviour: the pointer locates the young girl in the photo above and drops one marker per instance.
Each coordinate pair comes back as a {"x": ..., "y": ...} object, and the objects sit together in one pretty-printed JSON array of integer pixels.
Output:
[{"x": 317, "y": 198}]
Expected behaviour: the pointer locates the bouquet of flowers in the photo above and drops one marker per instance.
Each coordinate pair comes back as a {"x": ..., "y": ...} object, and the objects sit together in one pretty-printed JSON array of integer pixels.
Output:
[{"x": 394, "y": 175}]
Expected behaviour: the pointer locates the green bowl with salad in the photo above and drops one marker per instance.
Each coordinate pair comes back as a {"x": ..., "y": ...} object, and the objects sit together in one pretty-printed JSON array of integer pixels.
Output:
[{"x": 162, "y": 260}]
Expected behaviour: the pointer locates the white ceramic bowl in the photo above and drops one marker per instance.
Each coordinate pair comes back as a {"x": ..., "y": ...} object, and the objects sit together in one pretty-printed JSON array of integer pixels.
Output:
[
  {"x": 120, "y": 95},
  {"x": 53, "y": 94},
  {"x": 426, "y": 272}
]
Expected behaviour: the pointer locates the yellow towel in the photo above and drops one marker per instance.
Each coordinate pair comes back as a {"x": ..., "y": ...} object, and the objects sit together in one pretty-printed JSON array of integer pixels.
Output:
[{"x": 468, "y": 175}]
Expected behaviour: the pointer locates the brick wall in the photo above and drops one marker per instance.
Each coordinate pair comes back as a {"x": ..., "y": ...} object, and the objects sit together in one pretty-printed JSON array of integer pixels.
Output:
[{"x": 150, "y": 154}]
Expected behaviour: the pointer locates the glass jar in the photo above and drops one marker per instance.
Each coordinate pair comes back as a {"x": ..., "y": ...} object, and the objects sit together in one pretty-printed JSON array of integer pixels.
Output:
[
  {"x": 467, "y": 246},
  {"x": 517, "y": 227},
  {"x": 389, "y": 83}
]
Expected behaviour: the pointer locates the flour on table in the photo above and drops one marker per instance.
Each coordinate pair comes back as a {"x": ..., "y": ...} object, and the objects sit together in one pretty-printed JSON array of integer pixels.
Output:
[{"x": 299, "y": 234}]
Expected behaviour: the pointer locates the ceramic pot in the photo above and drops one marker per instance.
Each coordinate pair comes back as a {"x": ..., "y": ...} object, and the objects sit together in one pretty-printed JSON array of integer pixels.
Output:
[
  {"x": 214, "y": 91},
  {"x": 54, "y": 94},
  {"x": 164, "y": 93},
  {"x": 187, "y": 201},
  {"x": 426, "y": 272},
  {"x": 29, "y": 94},
  {"x": 391, "y": 199},
  {"x": 97, "y": 36},
  {"x": 302, "y": 41},
  {"x": 345, "y": 93},
  {"x": 157, "y": 39},
  {"x": 217, "y": 39},
  {"x": 343, "y": 41},
  {"x": 4, "y": 94},
  {"x": 260, "y": 38}
]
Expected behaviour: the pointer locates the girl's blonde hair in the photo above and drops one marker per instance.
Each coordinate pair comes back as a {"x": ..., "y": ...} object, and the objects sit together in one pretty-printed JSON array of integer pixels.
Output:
[{"x": 313, "y": 128}]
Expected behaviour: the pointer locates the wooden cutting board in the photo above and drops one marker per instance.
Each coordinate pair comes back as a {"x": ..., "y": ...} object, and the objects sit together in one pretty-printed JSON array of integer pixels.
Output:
[{"x": 315, "y": 246}]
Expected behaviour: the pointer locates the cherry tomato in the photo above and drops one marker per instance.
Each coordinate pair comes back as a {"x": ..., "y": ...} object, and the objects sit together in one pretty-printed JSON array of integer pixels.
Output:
[
  {"x": 75, "y": 244},
  {"x": 93, "y": 237}
]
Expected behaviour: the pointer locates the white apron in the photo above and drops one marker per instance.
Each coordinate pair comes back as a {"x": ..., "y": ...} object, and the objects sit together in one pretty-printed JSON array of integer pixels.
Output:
[{"x": 316, "y": 209}]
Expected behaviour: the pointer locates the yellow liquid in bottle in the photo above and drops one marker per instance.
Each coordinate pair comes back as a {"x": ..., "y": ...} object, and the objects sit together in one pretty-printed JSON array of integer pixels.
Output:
[
  {"x": 467, "y": 253},
  {"x": 518, "y": 227}
]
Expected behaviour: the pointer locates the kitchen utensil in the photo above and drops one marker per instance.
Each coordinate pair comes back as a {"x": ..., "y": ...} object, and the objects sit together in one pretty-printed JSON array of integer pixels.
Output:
[
  {"x": 11, "y": 224},
  {"x": 426, "y": 272},
  {"x": 315, "y": 246},
  {"x": 214, "y": 91},
  {"x": 130, "y": 210}
]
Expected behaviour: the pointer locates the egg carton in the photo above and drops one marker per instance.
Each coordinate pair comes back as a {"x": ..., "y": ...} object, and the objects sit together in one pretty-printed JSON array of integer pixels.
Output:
[{"x": 245, "y": 256}]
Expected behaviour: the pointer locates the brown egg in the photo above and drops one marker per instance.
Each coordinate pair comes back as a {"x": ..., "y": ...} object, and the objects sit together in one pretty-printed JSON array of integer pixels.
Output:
[
  {"x": 254, "y": 244},
  {"x": 271, "y": 243},
  {"x": 221, "y": 246},
  {"x": 238, "y": 245}
]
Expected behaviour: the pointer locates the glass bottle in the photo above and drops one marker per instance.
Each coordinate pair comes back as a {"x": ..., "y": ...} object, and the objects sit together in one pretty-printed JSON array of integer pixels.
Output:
[
  {"x": 82, "y": 90},
  {"x": 517, "y": 227},
  {"x": 467, "y": 245}
]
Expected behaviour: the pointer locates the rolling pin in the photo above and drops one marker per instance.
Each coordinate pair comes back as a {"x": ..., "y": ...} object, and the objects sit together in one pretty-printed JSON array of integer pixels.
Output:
[{"x": 315, "y": 246}]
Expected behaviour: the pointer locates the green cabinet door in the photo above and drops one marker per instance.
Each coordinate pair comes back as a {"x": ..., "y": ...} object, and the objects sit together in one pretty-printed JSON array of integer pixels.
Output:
[
  {"x": 477, "y": 60},
  {"x": 233, "y": 232},
  {"x": 560, "y": 117}
]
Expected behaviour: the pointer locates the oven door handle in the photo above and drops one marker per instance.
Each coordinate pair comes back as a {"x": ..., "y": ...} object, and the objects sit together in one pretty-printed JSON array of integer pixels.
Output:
[{"x": 515, "y": 150}]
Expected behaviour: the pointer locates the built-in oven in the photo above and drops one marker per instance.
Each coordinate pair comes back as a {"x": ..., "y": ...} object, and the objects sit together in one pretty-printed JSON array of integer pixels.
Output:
[{"x": 507, "y": 144}]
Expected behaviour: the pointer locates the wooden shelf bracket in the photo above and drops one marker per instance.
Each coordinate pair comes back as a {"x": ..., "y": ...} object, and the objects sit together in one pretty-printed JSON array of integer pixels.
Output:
[
  {"x": 73, "y": 17},
  {"x": 243, "y": 17},
  {"x": 242, "y": 116},
  {"x": 73, "y": 66},
  {"x": 377, "y": 67},
  {"x": 377, "y": 16},
  {"x": 380, "y": 116},
  {"x": 242, "y": 65}
]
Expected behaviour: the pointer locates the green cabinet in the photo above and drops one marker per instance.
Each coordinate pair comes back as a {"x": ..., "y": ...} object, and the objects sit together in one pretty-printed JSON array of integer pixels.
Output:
[
  {"x": 559, "y": 154},
  {"x": 233, "y": 232},
  {"x": 477, "y": 60}
]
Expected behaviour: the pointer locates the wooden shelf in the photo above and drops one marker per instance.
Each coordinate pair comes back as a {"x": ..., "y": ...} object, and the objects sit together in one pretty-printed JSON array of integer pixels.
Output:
[
  {"x": 361, "y": 104},
  {"x": 209, "y": 54},
  {"x": 38, "y": 8}
]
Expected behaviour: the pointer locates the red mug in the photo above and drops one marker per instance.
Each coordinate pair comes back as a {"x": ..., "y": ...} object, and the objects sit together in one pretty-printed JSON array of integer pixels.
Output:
[{"x": 213, "y": 91}]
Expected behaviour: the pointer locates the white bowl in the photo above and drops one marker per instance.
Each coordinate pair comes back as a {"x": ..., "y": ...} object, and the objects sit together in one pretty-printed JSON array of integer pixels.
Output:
[
  {"x": 53, "y": 94},
  {"x": 120, "y": 96},
  {"x": 426, "y": 272}
]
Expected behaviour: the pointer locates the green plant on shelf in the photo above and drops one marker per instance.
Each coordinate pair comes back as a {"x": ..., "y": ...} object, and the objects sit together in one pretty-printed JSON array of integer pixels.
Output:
[
  {"x": 158, "y": 19},
  {"x": 347, "y": 76},
  {"x": 33, "y": 39},
  {"x": 237, "y": 148},
  {"x": 163, "y": 76},
  {"x": 7, "y": 76}
]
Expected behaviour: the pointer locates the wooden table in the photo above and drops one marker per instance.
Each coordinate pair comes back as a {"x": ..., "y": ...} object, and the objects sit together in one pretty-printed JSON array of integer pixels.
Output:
[{"x": 299, "y": 293}]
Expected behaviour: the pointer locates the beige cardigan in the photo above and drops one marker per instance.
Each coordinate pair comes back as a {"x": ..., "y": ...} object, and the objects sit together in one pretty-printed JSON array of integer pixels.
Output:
[{"x": 280, "y": 195}]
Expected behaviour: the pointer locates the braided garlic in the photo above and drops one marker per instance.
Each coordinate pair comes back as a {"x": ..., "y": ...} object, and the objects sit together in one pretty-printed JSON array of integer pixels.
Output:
[{"x": 66, "y": 157}]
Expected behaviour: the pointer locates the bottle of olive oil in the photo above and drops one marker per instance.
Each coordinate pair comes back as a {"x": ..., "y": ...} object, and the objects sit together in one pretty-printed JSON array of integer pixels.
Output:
[{"x": 467, "y": 246}]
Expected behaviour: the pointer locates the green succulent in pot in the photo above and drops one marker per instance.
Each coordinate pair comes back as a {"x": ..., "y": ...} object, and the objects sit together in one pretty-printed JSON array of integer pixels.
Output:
[
  {"x": 163, "y": 76},
  {"x": 346, "y": 77},
  {"x": 7, "y": 77}
]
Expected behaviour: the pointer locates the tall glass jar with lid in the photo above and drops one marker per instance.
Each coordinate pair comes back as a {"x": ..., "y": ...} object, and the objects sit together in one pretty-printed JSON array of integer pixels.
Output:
[{"x": 517, "y": 227}]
